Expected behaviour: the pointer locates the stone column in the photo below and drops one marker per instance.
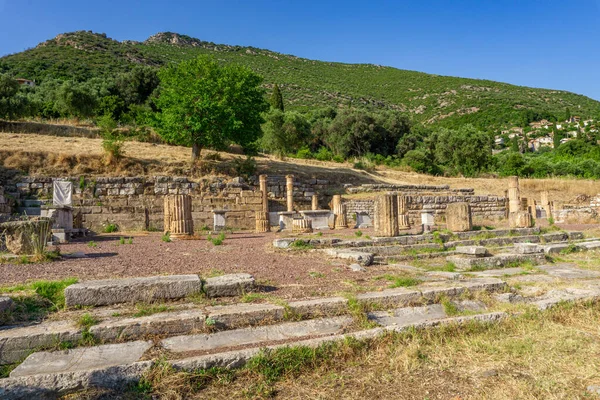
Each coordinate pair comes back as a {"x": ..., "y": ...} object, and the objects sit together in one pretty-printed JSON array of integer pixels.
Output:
[
  {"x": 545, "y": 203},
  {"x": 514, "y": 203},
  {"x": 458, "y": 217},
  {"x": 339, "y": 211},
  {"x": 265, "y": 195},
  {"x": 262, "y": 217},
  {"x": 403, "y": 222},
  {"x": 167, "y": 214},
  {"x": 289, "y": 184},
  {"x": 315, "y": 202},
  {"x": 180, "y": 214},
  {"x": 386, "y": 215},
  {"x": 302, "y": 226},
  {"x": 531, "y": 209},
  {"x": 520, "y": 219}
]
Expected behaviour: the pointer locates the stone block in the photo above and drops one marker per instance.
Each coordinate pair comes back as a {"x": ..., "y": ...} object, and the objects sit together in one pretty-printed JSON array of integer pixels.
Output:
[
  {"x": 554, "y": 248},
  {"x": 527, "y": 248},
  {"x": 407, "y": 316},
  {"x": 458, "y": 217},
  {"x": 237, "y": 315},
  {"x": 132, "y": 290},
  {"x": 81, "y": 359},
  {"x": 256, "y": 335},
  {"x": 520, "y": 219},
  {"x": 229, "y": 285},
  {"x": 167, "y": 323},
  {"x": 392, "y": 297},
  {"x": 6, "y": 304},
  {"x": 477, "y": 251}
]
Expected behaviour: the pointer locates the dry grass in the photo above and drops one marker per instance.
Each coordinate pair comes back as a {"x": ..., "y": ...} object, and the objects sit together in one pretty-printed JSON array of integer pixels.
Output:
[{"x": 41, "y": 154}]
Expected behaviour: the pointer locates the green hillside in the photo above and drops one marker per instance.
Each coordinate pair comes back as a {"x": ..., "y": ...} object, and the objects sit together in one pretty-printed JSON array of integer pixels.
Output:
[{"x": 307, "y": 84}]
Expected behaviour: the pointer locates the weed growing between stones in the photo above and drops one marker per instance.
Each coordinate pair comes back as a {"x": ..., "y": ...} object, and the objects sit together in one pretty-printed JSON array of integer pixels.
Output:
[
  {"x": 166, "y": 237},
  {"x": 314, "y": 274},
  {"x": 358, "y": 310},
  {"x": 111, "y": 228},
  {"x": 92, "y": 244},
  {"x": 85, "y": 322},
  {"x": 252, "y": 297},
  {"x": 218, "y": 240},
  {"x": 144, "y": 309},
  {"x": 572, "y": 248},
  {"x": 358, "y": 233},
  {"x": 301, "y": 245},
  {"x": 399, "y": 281}
]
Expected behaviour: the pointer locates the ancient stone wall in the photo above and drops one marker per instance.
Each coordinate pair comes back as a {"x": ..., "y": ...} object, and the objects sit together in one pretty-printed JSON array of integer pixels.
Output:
[
  {"x": 5, "y": 205},
  {"x": 487, "y": 207}
]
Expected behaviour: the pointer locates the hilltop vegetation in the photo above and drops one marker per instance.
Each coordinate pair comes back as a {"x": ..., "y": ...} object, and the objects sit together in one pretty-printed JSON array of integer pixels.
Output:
[
  {"x": 306, "y": 84},
  {"x": 369, "y": 114}
]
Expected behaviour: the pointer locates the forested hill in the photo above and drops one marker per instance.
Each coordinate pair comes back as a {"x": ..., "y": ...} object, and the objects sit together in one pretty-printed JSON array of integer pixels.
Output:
[{"x": 308, "y": 84}]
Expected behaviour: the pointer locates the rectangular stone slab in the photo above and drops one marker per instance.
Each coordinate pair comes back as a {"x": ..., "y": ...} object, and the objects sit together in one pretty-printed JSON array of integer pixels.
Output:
[
  {"x": 527, "y": 248},
  {"x": 166, "y": 323},
  {"x": 81, "y": 359},
  {"x": 17, "y": 342},
  {"x": 132, "y": 290},
  {"x": 408, "y": 315},
  {"x": 229, "y": 285},
  {"x": 478, "y": 251},
  {"x": 239, "y": 337}
]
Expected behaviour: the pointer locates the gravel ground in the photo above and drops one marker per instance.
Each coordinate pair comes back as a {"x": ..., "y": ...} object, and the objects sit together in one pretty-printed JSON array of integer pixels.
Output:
[{"x": 293, "y": 274}]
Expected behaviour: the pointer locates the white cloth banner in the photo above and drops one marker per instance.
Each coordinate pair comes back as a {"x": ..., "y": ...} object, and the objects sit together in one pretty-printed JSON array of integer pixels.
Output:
[{"x": 63, "y": 191}]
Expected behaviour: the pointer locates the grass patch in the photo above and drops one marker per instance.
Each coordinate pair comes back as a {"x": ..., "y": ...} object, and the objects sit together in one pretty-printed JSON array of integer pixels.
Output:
[
  {"x": 92, "y": 244},
  {"x": 216, "y": 241},
  {"x": 358, "y": 233},
  {"x": 450, "y": 308},
  {"x": 143, "y": 309},
  {"x": 301, "y": 245},
  {"x": 315, "y": 274},
  {"x": 399, "y": 281},
  {"x": 86, "y": 321},
  {"x": 111, "y": 228},
  {"x": 572, "y": 248},
  {"x": 252, "y": 297},
  {"x": 166, "y": 237}
]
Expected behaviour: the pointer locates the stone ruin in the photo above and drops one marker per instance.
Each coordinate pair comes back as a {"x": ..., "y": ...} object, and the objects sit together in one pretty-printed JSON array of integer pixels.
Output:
[
  {"x": 458, "y": 217},
  {"x": 178, "y": 216},
  {"x": 518, "y": 216}
]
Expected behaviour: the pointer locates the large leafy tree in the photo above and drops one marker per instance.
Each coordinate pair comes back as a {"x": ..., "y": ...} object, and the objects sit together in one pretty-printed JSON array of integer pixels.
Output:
[
  {"x": 465, "y": 150},
  {"x": 203, "y": 104}
]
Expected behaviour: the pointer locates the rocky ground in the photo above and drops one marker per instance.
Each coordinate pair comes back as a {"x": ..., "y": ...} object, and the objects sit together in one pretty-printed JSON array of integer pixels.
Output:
[{"x": 292, "y": 274}]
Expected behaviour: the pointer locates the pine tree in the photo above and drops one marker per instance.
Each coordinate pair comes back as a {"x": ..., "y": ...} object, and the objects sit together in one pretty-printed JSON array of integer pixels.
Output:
[{"x": 277, "y": 99}]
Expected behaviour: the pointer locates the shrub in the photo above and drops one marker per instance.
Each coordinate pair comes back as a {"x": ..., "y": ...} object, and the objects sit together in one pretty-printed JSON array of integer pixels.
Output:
[
  {"x": 244, "y": 167},
  {"x": 323, "y": 154},
  {"x": 304, "y": 153},
  {"x": 112, "y": 142},
  {"x": 110, "y": 228}
]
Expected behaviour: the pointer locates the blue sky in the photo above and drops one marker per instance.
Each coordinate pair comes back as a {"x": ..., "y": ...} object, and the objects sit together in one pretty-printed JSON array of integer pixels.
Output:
[{"x": 541, "y": 43}]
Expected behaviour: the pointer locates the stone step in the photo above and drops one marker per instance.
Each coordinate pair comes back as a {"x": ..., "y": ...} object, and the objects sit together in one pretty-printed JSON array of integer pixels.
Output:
[
  {"x": 81, "y": 359},
  {"x": 17, "y": 341},
  {"x": 399, "y": 252},
  {"x": 132, "y": 290},
  {"x": 407, "y": 315},
  {"x": 497, "y": 261},
  {"x": 148, "y": 289},
  {"x": 248, "y": 336},
  {"x": 114, "y": 367}
]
